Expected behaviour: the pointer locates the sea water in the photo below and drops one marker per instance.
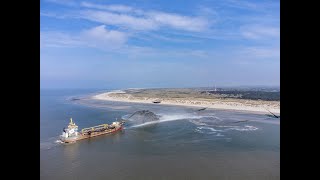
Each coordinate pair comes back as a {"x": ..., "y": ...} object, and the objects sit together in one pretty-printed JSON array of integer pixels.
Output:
[{"x": 183, "y": 144}]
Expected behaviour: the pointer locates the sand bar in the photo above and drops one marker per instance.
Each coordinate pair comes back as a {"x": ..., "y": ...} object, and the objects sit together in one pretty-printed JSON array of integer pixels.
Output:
[{"x": 230, "y": 104}]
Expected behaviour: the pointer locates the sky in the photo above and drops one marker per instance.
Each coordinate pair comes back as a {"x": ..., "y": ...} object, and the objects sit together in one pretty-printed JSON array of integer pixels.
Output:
[{"x": 159, "y": 43}]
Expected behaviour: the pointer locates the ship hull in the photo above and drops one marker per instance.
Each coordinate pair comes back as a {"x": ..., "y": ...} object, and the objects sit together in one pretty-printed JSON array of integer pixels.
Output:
[{"x": 93, "y": 134}]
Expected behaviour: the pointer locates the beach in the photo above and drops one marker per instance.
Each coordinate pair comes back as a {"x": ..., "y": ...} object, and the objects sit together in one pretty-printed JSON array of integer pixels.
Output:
[{"x": 260, "y": 106}]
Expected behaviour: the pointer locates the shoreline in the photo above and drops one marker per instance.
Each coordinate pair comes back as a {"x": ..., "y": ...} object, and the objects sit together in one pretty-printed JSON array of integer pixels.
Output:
[{"x": 122, "y": 96}]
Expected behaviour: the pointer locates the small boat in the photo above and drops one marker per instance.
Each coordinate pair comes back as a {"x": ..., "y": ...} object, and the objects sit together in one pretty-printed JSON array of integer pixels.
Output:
[
  {"x": 157, "y": 101},
  {"x": 71, "y": 134},
  {"x": 202, "y": 109}
]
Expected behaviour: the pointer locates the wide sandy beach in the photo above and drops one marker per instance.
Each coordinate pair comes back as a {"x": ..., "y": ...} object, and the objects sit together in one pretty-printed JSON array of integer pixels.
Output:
[{"x": 230, "y": 104}]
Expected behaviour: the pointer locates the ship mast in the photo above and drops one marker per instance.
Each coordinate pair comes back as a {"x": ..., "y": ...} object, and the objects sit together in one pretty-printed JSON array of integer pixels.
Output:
[{"x": 72, "y": 124}]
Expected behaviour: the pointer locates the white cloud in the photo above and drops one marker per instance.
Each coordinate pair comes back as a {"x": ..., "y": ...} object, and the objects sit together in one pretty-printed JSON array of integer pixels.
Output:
[
  {"x": 179, "y": 22},
  {"x": 137, "y": 19},
  {"x": 58, "y": 39},
  {"x": 134, "y": 52},
  {"x": 154, "y": 36},
  {"x": 122, "y": 20},
  {"x": 242, "y": 4},
  {"x": 98, "y": 37},
  {"x": 114, "y": 7},
  {"x": 260, "y": 31},
  {"x": 63, "y": 2},
  {"x": 55, "y": 15},
  {"x": 260, "y": 52},
  {"x": 145, "y": 25},
  {"x": 261, "y": 6}
]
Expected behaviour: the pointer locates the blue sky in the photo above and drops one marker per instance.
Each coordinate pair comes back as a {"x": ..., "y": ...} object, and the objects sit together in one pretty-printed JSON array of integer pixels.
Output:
[{"x": 159, "y": 43}]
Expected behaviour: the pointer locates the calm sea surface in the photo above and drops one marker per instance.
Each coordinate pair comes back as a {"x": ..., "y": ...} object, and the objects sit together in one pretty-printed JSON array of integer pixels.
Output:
[{"x": 183, "y": 144}]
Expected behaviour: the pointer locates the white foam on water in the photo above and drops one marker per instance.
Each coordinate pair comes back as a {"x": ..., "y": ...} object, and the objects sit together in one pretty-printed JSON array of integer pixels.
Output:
[
  {"x": 227, "y": 126},
  {"x": 203, "y": 127},
  {"x": 251, "y": 128},
  {"x": 245, "y": 128},
  {"x": 219, "y": 134},
  {"x": 58, "y": 142},
  {"x": 168, "y": 117},
  {"x": 198, "y": 123},
  {"x": 204, "y": 132},
  {"x": 277, "y": 122},
  {"x": 50, "y": 143},
  {"x": 210, "y": 116},
  {"x": 47, "y": 145},
  {"x": 209, "y": 128}
]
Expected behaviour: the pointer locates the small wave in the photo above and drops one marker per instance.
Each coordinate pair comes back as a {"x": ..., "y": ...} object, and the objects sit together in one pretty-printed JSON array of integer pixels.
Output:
[
  {"x": 227, "y": 126},
  {"x": 209, "y": 128},
  {"x": 203, "y": 132},
  {"x": 198, "y": 123},
  {"x": 245, "y": 128},
  {"x": 206, "y": 130},
  {"x": 219, "y": 134},
  {"x": 205, "y": 120}
]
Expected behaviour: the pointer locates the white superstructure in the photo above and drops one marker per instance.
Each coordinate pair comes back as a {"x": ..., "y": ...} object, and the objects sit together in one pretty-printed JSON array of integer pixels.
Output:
[{"x": 71, "y": 131}]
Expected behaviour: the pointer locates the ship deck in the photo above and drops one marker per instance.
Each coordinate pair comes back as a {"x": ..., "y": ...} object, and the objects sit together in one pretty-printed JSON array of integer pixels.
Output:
[{"x": 93, "y": 134}]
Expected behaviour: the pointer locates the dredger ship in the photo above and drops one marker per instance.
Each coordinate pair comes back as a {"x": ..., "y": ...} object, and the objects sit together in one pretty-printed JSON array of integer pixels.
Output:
[{"x": 71, "y": 134}]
